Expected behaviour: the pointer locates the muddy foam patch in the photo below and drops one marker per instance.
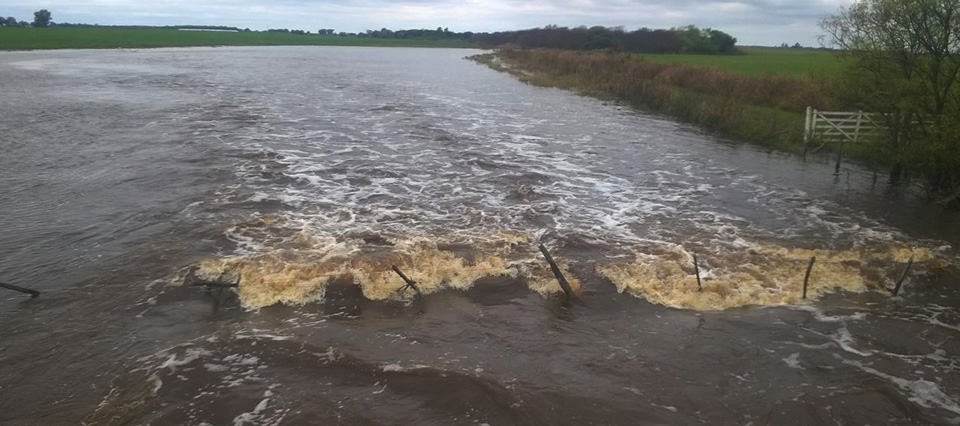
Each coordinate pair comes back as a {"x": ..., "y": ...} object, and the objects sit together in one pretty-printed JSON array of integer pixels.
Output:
[
  {"x": 765, "y": 275},
  {"x": 300, "y": 275}
]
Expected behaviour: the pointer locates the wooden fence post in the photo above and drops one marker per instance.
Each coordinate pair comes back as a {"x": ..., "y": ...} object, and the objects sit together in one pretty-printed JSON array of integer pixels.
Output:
[
  {"x": 807, "y": 129},
  {"x": 806, "y": 278},
  {"x": 896, "y": 290},
  {"x": 696, "y": 269},
  {"x": 409, "y": 283},
  {"x": 32, "y": 293},
  {"x": 836, "y": 170},
  {"x": 559, "y": 275},
  {"x": 856, "y": 132}
]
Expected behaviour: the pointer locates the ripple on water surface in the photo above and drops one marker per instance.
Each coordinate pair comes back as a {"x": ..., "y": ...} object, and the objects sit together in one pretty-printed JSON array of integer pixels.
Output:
[{"x": 307, "y": 182}]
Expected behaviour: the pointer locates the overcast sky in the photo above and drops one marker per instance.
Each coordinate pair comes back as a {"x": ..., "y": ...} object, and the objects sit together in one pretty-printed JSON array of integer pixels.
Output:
[{"x": 753, "y": 22}]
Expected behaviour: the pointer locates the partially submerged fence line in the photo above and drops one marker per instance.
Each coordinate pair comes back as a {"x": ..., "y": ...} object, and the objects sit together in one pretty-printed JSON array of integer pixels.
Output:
[
  {"x": 806, "y": 277},
  {"x": 838, "y": 126},
  {"x": 190, "y": 279}
]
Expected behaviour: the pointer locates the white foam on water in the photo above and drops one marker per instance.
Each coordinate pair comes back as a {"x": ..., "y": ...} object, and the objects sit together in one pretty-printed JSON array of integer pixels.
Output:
[
  {"x": 331, "y": 355},
  {"x": 922, "y": 392},
  {"x": 793, "y": 361},
  {"x": 261, "y": 334},
  {"x": 819, "y": 315},
  {"x": 456, "y": 169},
  {"x": 842, "y": 338},
  {"x": 262, "y": 414},
  {"x": 392, "y": 367}
]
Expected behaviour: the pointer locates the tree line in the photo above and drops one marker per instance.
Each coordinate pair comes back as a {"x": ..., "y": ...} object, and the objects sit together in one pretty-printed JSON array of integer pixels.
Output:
[
  {"x": 41, "y": 19},
  {"x": 688, "y": 39},
  {"x": 148, "y": 27}
]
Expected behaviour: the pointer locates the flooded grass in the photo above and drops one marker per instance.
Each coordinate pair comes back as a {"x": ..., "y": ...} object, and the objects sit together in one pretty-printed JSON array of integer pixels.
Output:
[
  {"x": 759, "y": 61},
  {"x": 766, "y": 110},
  {"x": 107, "y": 38}
]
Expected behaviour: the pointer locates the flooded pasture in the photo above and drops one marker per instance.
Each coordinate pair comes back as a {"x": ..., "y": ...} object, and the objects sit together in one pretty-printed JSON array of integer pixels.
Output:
[{"x": 307, "y": 173}]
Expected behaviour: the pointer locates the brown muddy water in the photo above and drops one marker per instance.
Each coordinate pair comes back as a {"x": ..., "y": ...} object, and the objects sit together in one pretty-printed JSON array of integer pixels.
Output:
[{"x": 307, "y": 172}]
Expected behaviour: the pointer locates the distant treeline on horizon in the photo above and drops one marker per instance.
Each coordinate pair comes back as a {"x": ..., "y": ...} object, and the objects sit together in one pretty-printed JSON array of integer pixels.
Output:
[
  {"x": 688, "y": 39},
  {"x": 147, "y": 27}
]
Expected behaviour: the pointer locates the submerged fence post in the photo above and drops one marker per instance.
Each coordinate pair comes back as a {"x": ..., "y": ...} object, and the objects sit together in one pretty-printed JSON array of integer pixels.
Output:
[
  {"x": 192, "y": 280},
  {"x": 410, "y": 283},
  {"x": 807, "y": 130},
  {"x": 836, "y": 170},
  {"x": 32, "y": 293},
  {"x": 216, "y": 284},
  {"x": 696, "y": 269},
  {"x": 806, "y": 278},
  {"x": 896, "y": 290},
  {"x": 556, "y": 272},
  {"x": 856, "y": 133}
]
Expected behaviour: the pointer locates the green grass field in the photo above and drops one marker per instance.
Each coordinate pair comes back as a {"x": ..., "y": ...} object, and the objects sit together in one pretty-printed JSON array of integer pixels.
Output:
[
  {"x": 105, "y": 38},
  {"x": 764, "y": 60}
]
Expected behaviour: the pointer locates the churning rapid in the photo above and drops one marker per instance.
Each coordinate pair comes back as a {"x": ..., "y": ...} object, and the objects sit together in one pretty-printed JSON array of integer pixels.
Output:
[{"x": 304, "y": 174}]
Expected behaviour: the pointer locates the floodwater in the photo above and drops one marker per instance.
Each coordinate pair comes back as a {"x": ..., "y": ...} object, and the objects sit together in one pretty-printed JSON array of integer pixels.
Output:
[{"x": 306, "y": 173}]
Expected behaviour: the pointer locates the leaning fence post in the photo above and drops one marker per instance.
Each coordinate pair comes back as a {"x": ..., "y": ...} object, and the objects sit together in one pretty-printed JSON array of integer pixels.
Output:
[
  {"x": 556, "y": 272},
  {"x": 410, "y": 283},
  {"x": 896, "y": 290},
  {"x": 696, "y": 269},
  {"x": 806, "y": 278},
  {"x": 32, "y": 293}
]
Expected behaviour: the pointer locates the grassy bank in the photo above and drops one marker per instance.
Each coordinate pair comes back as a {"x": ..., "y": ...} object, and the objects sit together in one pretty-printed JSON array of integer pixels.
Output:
[
  {"x": 767, "y": 109},
  {"x": 758, "y": 61},
  {"x": 104, "y": 38}
]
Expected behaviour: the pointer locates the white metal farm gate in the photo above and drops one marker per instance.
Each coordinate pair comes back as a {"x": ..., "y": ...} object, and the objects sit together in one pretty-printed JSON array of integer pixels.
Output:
[{"x": 839, "y": 126}]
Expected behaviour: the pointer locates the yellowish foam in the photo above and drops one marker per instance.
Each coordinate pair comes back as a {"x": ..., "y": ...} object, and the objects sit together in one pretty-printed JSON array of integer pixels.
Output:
[
  {"x": 431, "y": 268},
  {"x": 299, "y": 267},
  {"x": 768, "y": 275},
  {"x": 300, "y": 273},
  {"x": 540, "y": 277},
  {"x": 267, "y": 280}
]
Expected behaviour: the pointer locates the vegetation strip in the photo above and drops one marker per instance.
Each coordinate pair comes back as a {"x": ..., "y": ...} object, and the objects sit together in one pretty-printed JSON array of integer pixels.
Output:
[
  {"x": 765, "y": 110},
  {"x": 109, "y": 38}
]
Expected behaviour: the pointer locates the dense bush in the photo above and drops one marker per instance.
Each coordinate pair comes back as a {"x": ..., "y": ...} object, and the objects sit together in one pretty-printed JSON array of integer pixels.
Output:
[{"x": 904, "y": 63}]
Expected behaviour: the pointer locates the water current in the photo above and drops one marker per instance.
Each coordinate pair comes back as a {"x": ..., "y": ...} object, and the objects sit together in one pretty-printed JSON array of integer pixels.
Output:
[{"x": 306, "y": 173}]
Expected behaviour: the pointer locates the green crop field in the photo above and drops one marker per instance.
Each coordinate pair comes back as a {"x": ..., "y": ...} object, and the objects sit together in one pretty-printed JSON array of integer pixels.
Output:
[
  {"x": 103, "y": 38},
  {"x": 764, "y": 60}
]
